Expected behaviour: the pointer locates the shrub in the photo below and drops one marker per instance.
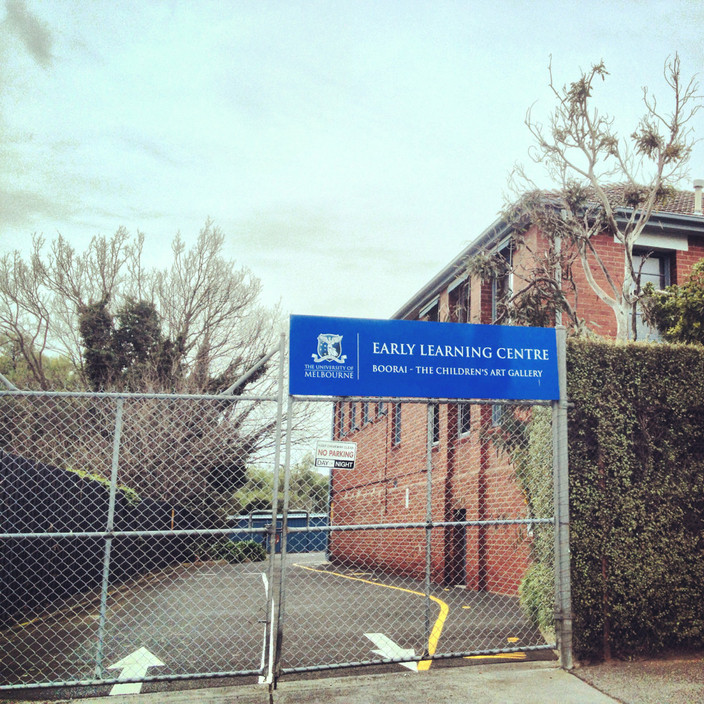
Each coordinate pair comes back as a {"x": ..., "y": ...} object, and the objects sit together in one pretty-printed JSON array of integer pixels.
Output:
[
  {"x": 233, "y": 551},
  {"x": 537, "y": 595}
]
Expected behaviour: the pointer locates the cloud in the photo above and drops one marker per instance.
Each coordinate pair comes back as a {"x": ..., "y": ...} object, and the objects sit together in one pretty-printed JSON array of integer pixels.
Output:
[
  {"x": 160, "y": 152},
  {"x": 22, "y": 208},
  {"x": 34, "y": 34}
]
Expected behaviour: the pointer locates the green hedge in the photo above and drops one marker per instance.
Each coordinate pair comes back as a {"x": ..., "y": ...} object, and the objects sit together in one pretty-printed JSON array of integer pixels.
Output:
[{"x": 636, "y": 452}]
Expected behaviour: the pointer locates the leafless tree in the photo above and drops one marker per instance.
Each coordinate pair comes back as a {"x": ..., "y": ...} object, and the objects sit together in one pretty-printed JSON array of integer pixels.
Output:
[
  {"x": 605, "y": 185},
  {"x": 205, "y": 302}
]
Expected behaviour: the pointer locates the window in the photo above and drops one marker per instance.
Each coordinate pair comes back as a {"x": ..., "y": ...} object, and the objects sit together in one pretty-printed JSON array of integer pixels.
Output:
[
  {"x": 459, "y": 302},
  {"x": 498, "y": 411},
  {"x": 654, "y": 268},
  {"x": 365, "y": 412},
  {"x": 435, "y": 420},
  {"x": 353, "y": 417},
  {"x": 396, "y": 425},
  {"x": 341, "y": 422},
  {"x": 430, "y": 311},
  {"x": 464, "y": 418},
  {"x": 380, "y": 409},
  {"x": 501, "y": 286}
]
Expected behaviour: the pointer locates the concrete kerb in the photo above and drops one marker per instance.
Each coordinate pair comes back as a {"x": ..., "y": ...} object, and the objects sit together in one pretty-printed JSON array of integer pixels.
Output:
[{"x": 519, "y": 683}]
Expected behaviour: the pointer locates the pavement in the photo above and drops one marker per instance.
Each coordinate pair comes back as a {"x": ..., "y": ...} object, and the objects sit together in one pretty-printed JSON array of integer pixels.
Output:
[{"x": 677, "y": 679}]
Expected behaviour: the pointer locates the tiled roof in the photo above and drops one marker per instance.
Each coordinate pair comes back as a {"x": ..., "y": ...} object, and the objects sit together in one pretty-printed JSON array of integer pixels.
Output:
[{"x": 680, "y": 202}]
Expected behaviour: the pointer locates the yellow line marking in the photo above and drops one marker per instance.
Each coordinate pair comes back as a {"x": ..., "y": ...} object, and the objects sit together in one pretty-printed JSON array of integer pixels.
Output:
[
  {"x": 512, "y": 640},
  {"x": 466, "y": 607},
  {"x": 439, "y": 622},
  {"x": 501, "y": 656}
]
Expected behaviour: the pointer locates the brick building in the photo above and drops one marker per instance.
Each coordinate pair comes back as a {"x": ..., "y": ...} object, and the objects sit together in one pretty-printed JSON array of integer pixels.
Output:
[{"x": 473, "y": 476}]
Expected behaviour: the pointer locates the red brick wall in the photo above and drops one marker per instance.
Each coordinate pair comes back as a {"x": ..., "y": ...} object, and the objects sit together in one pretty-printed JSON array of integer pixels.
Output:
[
  {"x": 389, "y": 486},
  {"x": 597, "y": 314}
]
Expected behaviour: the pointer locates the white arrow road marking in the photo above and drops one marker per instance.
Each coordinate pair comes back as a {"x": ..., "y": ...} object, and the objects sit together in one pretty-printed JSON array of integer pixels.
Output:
[
  {"x": 134, "y": 666},
  {"x": 388, "y": 649},
  {"x": 270, "y": 674}
]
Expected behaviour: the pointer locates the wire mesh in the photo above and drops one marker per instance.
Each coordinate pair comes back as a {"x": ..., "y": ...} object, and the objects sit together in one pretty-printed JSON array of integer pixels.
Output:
[
  {"x": 135, "y": 530},
  {"x": 440, "y": 541},
  {"x": 114, "y": 517}
]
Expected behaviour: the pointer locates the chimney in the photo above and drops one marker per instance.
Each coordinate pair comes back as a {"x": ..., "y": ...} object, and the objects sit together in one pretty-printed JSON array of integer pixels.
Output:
[{"x": 698, "y": 185}]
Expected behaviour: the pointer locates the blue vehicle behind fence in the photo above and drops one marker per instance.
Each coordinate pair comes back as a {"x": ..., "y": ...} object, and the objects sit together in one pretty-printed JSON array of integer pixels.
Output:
[{"x": 313, "y": 537}]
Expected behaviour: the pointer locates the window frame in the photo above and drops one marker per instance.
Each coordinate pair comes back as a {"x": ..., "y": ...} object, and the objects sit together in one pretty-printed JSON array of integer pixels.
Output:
[
  {"x": 506, "y": 281},
  {"x": 464, "y": 419},
  {"x": 430, "y": 312},
  {"x": 435, "y": 419},
  {"x": 459, "y": 301},
  {"x": 665, "y": 265},
  {"x": 341, "y": 420},
  {"x": 353, "y": 417}
]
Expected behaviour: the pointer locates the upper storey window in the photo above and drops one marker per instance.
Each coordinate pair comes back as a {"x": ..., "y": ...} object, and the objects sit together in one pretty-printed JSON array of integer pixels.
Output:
[
  {"x": 654, "y": 268},
  {"x": 458, "y": 295},
  {"x": 502, "y": 287},
  {"x": 430, "y": 311}
]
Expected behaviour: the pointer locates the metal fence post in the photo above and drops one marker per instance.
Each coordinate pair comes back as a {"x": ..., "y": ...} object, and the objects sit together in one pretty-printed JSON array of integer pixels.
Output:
[
  {"x": 563, "y": 596},
  {"x": 432, "y": 409},
  {"x": 99, "y": 669},
  {"x": 281, "y": 614},
  {"x": 271, "y": 602}
]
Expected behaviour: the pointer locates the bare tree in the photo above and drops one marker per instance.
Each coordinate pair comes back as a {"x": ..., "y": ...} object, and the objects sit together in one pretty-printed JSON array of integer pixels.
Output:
[
  {"x": 607, "y": 185},
  {"x": 208, "y": 306},
  {"x": 211, "y": 307}
]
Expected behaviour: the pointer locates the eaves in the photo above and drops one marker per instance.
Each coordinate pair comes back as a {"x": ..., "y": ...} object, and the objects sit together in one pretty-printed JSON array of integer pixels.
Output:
[
  {"x": 671, "y": 223},
  {"x": 491, "y": 237}
]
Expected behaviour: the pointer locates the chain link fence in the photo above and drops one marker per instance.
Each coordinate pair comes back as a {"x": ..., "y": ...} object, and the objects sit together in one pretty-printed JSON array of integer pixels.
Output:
[
  {"x": 143, "y": 538},
  {"x": 115, "y": 557}
]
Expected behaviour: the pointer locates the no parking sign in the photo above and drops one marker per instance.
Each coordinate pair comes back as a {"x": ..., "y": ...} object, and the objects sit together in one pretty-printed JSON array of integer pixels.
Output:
[{"x": 335, "y": 455}]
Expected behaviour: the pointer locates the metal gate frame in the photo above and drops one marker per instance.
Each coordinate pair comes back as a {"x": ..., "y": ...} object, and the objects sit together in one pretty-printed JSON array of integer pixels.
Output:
[
  {"x": 560, "y": 521},
  {"x": 109, "y": 534}
]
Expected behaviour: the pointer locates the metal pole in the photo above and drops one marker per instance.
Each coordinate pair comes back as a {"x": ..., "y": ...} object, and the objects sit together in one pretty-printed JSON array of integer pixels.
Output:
[
  {"x": 252, "y": 371},
  {"x": 8, "y": 383},
  {"x": 284, "y": 529},
  {"x": 432, "y": 409},
  {"x": 563, "y": 594},
  {"x": 270, "y": 603},
  {"x": 558, "y": 277},
  {"x": 99, "y": 670}
]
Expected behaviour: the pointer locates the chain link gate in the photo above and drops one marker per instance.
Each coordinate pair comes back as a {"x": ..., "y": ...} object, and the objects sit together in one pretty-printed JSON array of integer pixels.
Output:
[
  {"x": 447, "y": 516},
  {"x": 116, "y": 566}
]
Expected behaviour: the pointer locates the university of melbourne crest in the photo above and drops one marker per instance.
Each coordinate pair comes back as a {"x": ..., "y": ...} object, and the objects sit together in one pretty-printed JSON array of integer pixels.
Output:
[{"x": 329, "y": 349}]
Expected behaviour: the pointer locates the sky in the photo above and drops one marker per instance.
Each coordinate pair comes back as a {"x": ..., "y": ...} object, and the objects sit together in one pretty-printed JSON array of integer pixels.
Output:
[{"x": 347, "y": 149}]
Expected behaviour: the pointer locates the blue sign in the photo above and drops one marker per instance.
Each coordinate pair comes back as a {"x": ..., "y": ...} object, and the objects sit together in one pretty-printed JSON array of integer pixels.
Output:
[{"x": 362, "y": 357}]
